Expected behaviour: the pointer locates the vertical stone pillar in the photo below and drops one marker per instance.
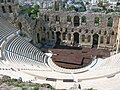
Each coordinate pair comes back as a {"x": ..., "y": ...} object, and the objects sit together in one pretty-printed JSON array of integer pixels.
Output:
[{"x": 118, "y": 38}]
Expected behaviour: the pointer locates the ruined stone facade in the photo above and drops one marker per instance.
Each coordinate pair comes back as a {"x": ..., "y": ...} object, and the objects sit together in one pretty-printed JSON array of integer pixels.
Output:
[
  {"x": 8, "y": 8},
  {"x": 83, "y": 29}
]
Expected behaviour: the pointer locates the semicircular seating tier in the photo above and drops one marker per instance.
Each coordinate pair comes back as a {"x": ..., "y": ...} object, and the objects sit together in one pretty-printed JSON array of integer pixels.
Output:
[
  {"x": 6, "y": 29},
  {"x": 20, "y": 52}
]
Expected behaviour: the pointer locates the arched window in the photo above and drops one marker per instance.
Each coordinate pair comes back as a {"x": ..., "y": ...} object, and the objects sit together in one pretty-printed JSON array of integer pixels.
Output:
[
  {"x": 92, "y": 31},
  {"x": 105, "y": 32},
  {"x": 61, "y": 29},
  {"x": 68, "y": 19},
  {"x": 96, "y": 21},
  {"x": 69, "y": 36},
  {"x": 44, "y": 29},
  {"x": 86, "y": 31},
  {"x": 76, "y": 37},
  {"x": 38, "y": 38},
  {"x": 76, "y": 21},
  {"x": 52, "y": 34},
  {"x": 57, "y": 18},
  {"x": 20, "y": 25},
  {"x": 64, "y": 36},
  {"x": 65, "y": 29},
  {"x": 80, "y": 30},
  {"x": 56, "y": 6},
  {"x": 110, "y": 22},
  {"x": 99, "y": 31},
  {"x": 3, "y": 9},
  {"x": 83, "y": 19},
  {"x": 101, "y": 39},
  {"x": 89, "y": 38},
  {"x": 112, "y": 32},
  {"x": 83, "y": 38},
  {"x": 108, "y": 40},
  {"x": 10, "y": 9},
  {"x": 54, "y": 28},
  {"x": 48, "y": 35},
  {"x": 46, "y": 18}
]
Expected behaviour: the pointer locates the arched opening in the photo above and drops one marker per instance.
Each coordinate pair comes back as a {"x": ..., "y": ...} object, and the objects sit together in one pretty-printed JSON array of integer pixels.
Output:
[
  {"x": 52, "y": 34},
  {"x": 20, "y": 26},
  {"x": 69, "y": 36},
  {"x": 38, "y": 38},
  {"x": 10, "y": 9},
  {"x": 108, "y": 40},
  {"x": 96, "y": 21},
  {"x": 76, "y": 38},
  {"x": 83, "y": 19},
  {"x": 76, "y": 21},
  {"x": 68, "y": 19},
  {"x": 89, "y": 38},
  {"x": 57, "y": 18},
  {"x": 110, "y": 22},
  {"x": 48, "y": 35},
  {"x": 83, "y": 38},
  {"x": 46, "y": 18},
  {"x": 64, "y": 35},
  {"x": 56, "y": 6},
  {"x": 58, "y": 38},
  {"x": 3, "y": 9},
  {"x": 95, "y": 40},
  {"x": 101, "y": 39}
]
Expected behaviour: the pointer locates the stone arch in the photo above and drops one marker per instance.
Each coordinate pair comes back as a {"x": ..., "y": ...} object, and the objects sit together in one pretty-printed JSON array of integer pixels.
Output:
[
  {"x": 3, "y": 9},
  {"x": 52, "y": 34},
  {"x": 69, "y": 36},
  {"x": 48, "y": 35},
  {"x": 105, "y": 32},
  {"x": 96, "y": 21},
  {"x": 101, "y": 39},
  {"x": 108, "y": 40},
  {"x": 76, "y": 21},
  {"x": 68, "y": 18},
  {"x": 58, "y": 37},
  {"x": 95, "y": 40},
  {"x": 10, "y": 9},
  {"x": 83, "y": 19},
  {"x": 64, "y": 35},
  {"x": 99, "y": 31},
  {"x": 46, "y": 17},
  {"x": 76, "y": 38},
  {"x": 110, "y": 22},
  {"x": 83, "y": 38},
  {"x": 57, "y": 18},
  {"x": 89, "y": 38},
  {"x": 56, "y": 6},
  {"x": 20, "y": 25},
  {"x": 38, "y": 37}
]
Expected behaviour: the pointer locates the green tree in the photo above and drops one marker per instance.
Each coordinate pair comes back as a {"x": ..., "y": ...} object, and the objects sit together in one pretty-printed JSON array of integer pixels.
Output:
[
  {"x": 118, "y": 3},
  {"x": 36, "y": 88}
]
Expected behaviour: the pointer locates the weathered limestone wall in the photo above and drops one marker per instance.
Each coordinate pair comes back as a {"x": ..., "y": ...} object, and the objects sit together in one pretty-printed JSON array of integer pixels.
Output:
[{"x": 101, "y": 30}]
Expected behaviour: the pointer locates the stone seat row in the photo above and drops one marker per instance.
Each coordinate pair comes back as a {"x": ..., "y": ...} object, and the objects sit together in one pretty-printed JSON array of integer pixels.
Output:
[{"x": 22, "y": 47}]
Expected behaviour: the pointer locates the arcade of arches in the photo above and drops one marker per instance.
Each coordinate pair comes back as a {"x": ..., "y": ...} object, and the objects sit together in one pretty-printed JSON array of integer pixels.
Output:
[{"x": 77, "y": 39}]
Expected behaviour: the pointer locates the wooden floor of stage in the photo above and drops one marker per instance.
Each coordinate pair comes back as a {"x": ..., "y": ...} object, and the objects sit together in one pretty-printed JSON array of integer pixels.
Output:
[{"x": 74, "y": 57}]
